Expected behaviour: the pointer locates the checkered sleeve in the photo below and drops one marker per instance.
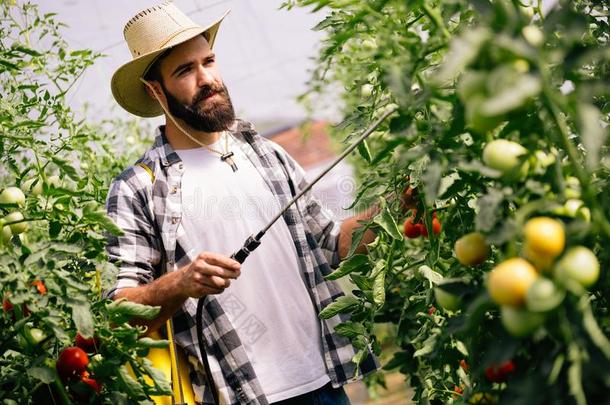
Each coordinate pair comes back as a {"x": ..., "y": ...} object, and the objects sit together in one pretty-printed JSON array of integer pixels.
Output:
[
  {"x": 320, "y": 220},
  {"x": 136, "y": 252}
]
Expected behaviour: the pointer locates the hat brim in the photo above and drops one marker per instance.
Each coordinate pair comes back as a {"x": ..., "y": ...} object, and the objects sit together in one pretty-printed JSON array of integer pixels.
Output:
[{"x": 126, "y": 86}]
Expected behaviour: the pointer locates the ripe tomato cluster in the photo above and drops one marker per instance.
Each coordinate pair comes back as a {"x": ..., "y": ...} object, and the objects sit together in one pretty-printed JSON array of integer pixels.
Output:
[
  {"x": 414, "y": 230},
  {"x": 499, "y": 373},
  {"x": 72, "y": 365},
  {"x": 528, "y": 287},
  {"x": 9, "y": 308}
]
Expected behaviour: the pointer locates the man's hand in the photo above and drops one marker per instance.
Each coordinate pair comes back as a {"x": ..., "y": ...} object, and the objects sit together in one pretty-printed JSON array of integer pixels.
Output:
[{"x": 209, "y": 273}]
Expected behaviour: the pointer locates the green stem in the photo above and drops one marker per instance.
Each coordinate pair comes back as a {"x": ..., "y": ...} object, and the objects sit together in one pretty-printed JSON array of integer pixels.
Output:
[
  {"x": 61, "y": 390},
  {"x": 436, "y": 19},
  {"x": 589, "y": 195}
]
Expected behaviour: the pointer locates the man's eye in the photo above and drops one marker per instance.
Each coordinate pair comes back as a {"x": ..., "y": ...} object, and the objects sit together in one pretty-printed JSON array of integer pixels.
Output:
[
  {"x": 183, "y": 71},
  {"x": 209, "y": 61}
]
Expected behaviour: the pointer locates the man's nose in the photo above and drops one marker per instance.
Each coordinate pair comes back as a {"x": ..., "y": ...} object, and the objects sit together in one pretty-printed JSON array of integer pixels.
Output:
[{"x": 204, "y": 76}]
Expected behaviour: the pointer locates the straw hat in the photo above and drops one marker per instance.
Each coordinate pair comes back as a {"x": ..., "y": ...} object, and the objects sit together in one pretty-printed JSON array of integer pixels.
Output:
[{"x": 148, "y": 34}]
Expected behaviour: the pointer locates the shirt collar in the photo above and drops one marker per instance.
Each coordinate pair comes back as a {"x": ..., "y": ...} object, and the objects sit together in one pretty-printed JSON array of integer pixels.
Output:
[{"x": 168, "y": 155}]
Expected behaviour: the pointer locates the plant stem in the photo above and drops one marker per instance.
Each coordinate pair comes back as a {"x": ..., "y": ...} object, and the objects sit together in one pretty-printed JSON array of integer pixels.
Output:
[
  {"x": 581, "y": 172},
  {"x": 435, "y": 17}
]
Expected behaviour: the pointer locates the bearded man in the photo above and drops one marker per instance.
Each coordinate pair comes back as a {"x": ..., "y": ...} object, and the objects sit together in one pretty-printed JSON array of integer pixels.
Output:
[{"x": 206, "y": 184}]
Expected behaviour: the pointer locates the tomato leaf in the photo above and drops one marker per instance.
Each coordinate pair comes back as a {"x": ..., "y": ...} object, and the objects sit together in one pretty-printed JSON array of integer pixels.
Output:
[
  {"x": 162, "y": 384},
  {"x": 379, "y": 285},
  {"x": 153, "y": 343},
  {"x": 387, "y": 222},
  {"x": 132, "y": 387},
  {"x": 341, "y": 305},
  {"x": 430, "y": 275},
  {"x": 365, "y": 152},
  {"x": 427, "y": 348},
  {"x": 354, "y": 263},
  {"x": 462, "y": 51},
  {"x": 350, "y": 329},
  {"x": 124, "y": 309},
  {"x": 592, "y": 135},
  {"x": 44, "y": 374},
  {"x": 489, "y": 210},
  {"x": 515, "y": 96},
  {"x": 81, "y": 315}
]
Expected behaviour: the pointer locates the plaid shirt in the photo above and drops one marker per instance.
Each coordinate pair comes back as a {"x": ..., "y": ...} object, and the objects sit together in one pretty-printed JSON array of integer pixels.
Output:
[{"x": 155, "y": 242}]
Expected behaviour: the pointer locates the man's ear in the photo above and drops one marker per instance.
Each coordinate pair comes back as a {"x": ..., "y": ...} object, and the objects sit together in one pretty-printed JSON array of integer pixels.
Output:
[{"x": 156, "y": 86}]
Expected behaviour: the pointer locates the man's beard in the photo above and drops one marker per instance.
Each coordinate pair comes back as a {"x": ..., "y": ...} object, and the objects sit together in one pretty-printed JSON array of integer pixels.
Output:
[{"x": 213, "y": 115}]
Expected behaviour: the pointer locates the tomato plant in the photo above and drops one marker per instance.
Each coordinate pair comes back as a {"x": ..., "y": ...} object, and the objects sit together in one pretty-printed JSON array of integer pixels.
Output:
[
  {"x": 501, "y": 125},
  {"x": 57, "y": 166}
]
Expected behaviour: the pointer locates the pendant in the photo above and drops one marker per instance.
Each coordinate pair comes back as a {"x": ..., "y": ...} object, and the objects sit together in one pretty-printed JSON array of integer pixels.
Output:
[{"x": 227, "y": 158}]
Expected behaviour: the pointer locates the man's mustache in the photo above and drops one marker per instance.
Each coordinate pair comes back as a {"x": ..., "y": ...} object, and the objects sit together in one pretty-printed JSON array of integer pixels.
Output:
[{"x": 207, "y": 91}]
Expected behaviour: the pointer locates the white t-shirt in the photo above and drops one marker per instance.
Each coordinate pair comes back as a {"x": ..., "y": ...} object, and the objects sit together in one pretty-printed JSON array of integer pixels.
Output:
[{"x": 269, "y": 304}]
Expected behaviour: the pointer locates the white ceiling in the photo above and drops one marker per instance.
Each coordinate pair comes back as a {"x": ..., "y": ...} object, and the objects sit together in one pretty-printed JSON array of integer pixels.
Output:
[{"x": 264, "y": 53}]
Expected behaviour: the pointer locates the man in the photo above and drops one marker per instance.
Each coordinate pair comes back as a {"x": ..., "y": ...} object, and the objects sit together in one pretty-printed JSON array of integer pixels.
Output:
[{"x": 208, "y": 182}]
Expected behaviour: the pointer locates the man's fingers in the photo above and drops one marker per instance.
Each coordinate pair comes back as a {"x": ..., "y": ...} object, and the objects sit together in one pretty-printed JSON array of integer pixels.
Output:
[
  {"x": 220, "y": 260},
  {"x": 207, "y": 269},
  {"x": 216, "y": 282}
]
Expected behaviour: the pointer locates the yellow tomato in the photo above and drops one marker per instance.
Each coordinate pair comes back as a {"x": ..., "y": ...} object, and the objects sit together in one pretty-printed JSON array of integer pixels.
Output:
[
  {"x": 509, "y": 281},
  {"x": 544, "y": 236},
  {"x": 541, "y": 261},
  {"x": 471, "y": 249}
]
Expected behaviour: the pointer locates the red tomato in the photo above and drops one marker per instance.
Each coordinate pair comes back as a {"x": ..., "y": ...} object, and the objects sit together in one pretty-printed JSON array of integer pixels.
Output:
[
  {"x": 89, "y": 345},
  {"x": 409, "y": 198},
  {"x": 94, "y": 384},
  {"x": 432, "y": 310},
  {"x": 42, "y": 289},
  {"x": 83, "y": 390},
  {"x": 423, "y": 230},
  {"x": 6, "y": 305},
  {"x": 458, "y": 390},
  {"x": 436, "y": 225},
  {"x": 71, "y": 363},
  {"x": 411, "y": 230},
  {"x": 499, "y": 373},
  {"x": 464, "y": 365}
]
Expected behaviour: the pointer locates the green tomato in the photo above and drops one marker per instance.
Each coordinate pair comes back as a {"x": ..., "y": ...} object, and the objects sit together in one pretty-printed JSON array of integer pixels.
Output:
[
  {"x": 533, "y": 35},
  {"x": 506, "y": 157},
  {"x": 12, "y": 196},
  {"x": 6, "y": 233},
  {"x": 520, "y": 322},
  {"x": 471, "y": 249},
  {"x": 28, "y": 186},
  {"x": 578, "y": 264},
  {"x": 54, "y": 181},
  {"x": 369, "y": 44},
  {"x": 366, "y": 90},
  {"x": 543, "y": 295},
  {"x": 446, "y": 300},
  {"x": 37, "y": 335},
  {"x": 521, "y": 65},
  {"x": 19, "y": 227},
  {"x": 572, "y": 187}
]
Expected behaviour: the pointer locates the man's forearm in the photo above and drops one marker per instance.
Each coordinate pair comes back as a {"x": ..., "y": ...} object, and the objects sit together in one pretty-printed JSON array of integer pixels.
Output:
[
  {"x": 164, "y": 292},
  {"x": 349, "y": 225}
]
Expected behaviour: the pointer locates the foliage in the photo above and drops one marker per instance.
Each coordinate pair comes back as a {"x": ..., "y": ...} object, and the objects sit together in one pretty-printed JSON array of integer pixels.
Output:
[
  {"x": 462, "y": 75},
  {"x": 64, "y": 164}
]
